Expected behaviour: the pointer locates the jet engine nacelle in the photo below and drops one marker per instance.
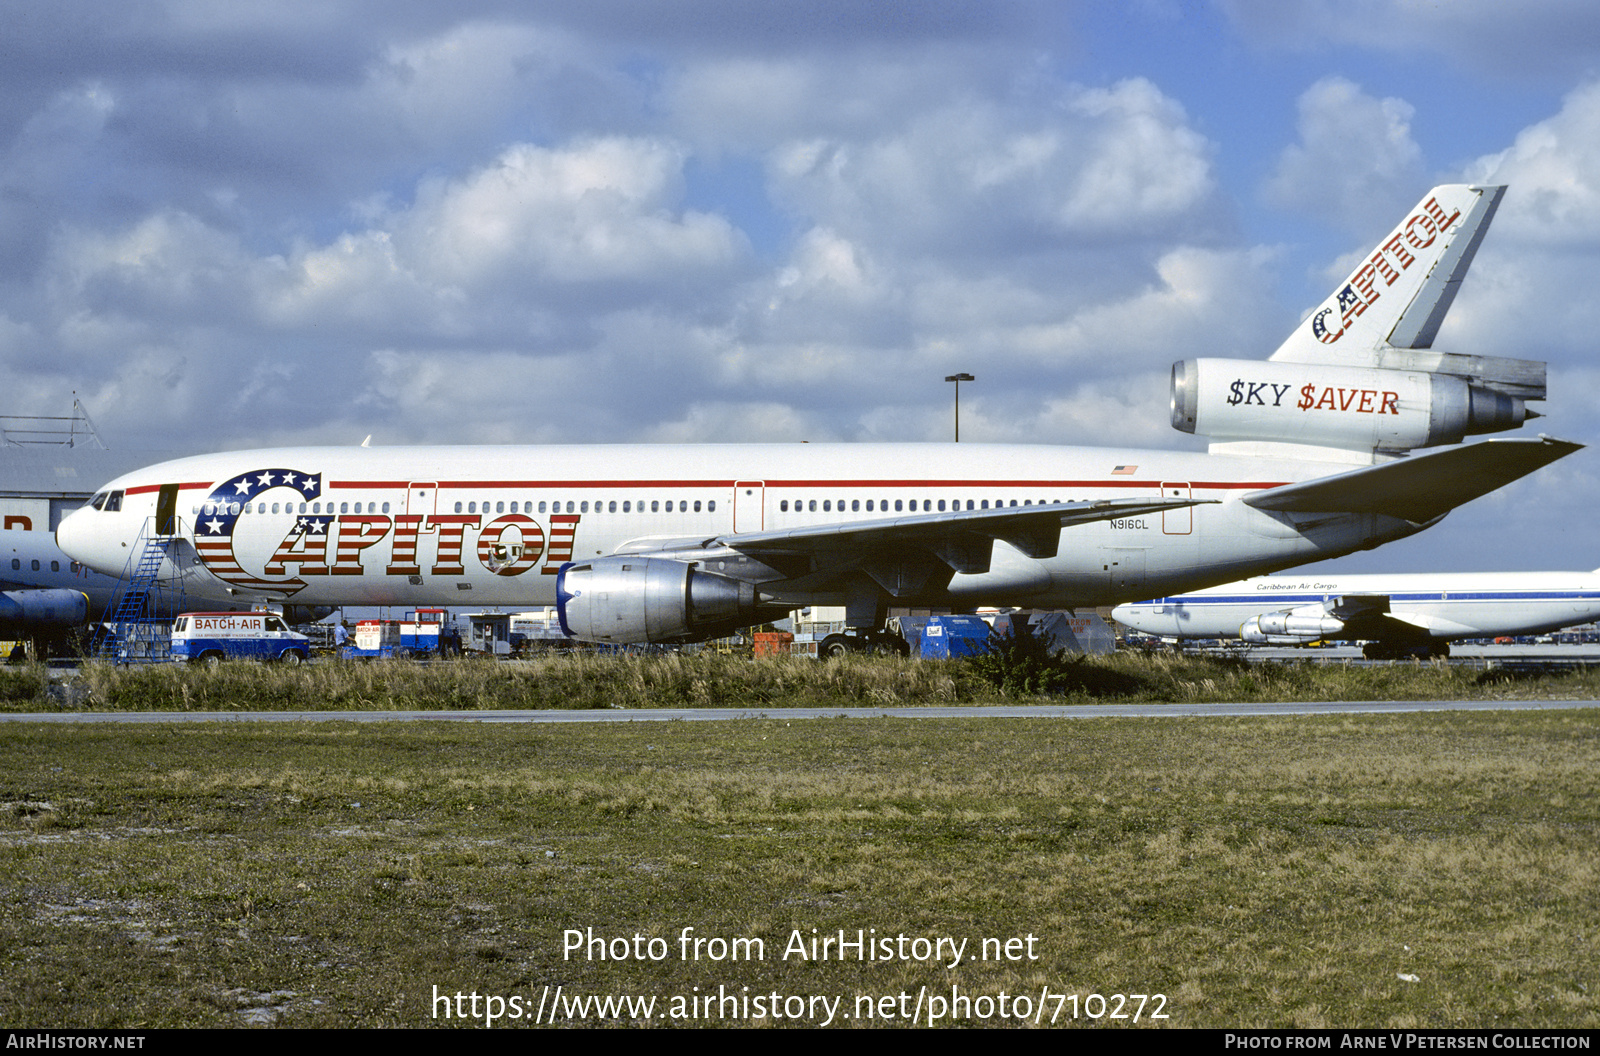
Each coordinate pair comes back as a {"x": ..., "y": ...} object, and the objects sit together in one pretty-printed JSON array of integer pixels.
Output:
[
  {"x": 24, "y": 612},
  {"x": 1356, "y": 408},
  {"x": 1291, "y": 626},
  {"x": 627, "y": 599}
]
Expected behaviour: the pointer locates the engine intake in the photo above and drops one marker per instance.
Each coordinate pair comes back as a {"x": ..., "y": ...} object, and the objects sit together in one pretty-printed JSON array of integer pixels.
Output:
[{"x": 627, "y": 599}]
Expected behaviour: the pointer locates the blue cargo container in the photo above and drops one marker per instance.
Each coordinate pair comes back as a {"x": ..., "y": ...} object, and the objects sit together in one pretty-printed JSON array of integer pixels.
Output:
[{"x": 950, "y": 637}]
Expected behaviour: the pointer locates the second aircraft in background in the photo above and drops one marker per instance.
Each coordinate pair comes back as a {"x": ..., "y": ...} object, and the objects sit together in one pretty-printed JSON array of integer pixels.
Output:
[{"x": 1397, "y": 615}]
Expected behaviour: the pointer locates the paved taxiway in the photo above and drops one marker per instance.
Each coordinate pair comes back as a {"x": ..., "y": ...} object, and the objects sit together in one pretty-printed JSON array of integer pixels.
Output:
[{"x": 1085, "y": 711}]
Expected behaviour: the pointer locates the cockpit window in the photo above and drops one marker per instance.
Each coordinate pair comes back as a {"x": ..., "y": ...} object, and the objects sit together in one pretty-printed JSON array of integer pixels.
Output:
[
  {"x": 113, "y": 502},
  {"x": 99, "y": 500}
]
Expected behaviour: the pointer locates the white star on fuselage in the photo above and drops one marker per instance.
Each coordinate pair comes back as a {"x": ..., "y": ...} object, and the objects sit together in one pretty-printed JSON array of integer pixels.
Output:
[
  {"x": 214, "y": 526},
  {"x": 265, "y": 479}
]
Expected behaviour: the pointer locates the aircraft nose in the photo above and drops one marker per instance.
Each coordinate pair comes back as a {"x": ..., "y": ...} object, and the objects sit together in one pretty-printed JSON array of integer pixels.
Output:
[{"x": 75, "y": 538}]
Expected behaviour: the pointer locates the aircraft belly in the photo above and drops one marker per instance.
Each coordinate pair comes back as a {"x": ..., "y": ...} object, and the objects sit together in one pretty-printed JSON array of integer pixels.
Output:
[{"x": 1011, "y": 577}]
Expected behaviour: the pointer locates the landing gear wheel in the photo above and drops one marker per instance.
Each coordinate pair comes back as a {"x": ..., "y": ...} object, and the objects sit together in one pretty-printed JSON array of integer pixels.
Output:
[
  {"x": 882, "y": 643},
  {"x": 835, "y": 645}
]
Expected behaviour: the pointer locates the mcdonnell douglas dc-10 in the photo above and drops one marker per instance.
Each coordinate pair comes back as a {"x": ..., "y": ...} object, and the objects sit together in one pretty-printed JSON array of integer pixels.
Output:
[
  {"x": 1398, "y": 615},
  {"x": 1309, "y": 458}
]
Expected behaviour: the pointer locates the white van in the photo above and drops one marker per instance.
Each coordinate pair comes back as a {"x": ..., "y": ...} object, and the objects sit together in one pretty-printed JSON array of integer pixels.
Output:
[{"x": 213, "y": 636}]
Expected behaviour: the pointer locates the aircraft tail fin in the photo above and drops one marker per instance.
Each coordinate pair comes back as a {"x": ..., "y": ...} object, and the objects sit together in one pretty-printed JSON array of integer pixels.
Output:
[
  {"x": 1421, "y": 488},
  {"x": 1398, "y": 296}
]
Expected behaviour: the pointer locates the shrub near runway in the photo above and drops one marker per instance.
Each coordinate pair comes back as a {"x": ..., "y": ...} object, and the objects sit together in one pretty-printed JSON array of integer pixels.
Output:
[{"x": 708, "y": 680}]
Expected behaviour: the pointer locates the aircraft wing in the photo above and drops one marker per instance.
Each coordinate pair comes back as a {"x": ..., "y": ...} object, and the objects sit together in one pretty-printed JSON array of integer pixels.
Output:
[
  {"x": 905, "y": 552},
  {"x": 1419, "y": 488},
  {"x": 1352, "y": 606},
  {"x": 1033, "y": 530}
]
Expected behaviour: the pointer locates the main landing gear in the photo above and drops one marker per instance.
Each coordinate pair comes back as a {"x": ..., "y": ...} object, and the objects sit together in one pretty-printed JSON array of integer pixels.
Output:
[{"x": 875, "y": 643}]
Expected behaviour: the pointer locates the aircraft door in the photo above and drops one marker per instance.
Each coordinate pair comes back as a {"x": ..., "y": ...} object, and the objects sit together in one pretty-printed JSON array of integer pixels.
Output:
[
  {"x": 749, "y": 505},
  {"x": 422, "y": 497},
  {"x": 1124, "y": 569},
  {"x": 1179, "y": 521},
  {"x": 167, "y": 510}
]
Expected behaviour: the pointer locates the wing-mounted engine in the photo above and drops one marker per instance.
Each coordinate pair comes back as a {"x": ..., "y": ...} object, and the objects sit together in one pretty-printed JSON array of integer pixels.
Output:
[
  {"x": 1349, "y": 616},
  {"x": 29, "y": 611},
  {"x": 1308, "y": 623},
  {"x": 634, "y": 599}
]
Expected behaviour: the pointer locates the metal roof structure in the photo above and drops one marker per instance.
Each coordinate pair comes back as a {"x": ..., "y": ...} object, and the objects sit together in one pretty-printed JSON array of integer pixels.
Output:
[{"x": 50, "y": 472}]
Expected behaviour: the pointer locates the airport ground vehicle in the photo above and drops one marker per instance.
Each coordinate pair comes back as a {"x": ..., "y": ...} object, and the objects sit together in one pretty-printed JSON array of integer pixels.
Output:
[
  {"x": 214, "y": 636},
  {"x": 425, "y": 632}
]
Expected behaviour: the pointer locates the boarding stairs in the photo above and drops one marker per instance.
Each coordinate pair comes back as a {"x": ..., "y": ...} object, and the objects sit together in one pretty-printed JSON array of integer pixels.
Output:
[{"x": 131, "y": 632}]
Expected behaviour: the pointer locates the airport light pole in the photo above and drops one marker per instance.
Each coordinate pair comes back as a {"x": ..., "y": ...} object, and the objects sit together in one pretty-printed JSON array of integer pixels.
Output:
[{"x": 958, "y": 379}]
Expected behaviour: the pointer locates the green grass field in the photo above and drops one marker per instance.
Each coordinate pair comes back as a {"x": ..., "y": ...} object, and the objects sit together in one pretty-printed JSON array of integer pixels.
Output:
[{"x": 1433, "y": 870}]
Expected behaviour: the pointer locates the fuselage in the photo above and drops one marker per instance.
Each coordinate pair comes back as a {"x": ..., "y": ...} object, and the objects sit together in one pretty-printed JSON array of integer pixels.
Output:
[
  {"x": 32, "y": 561},
  {"x": 1446, "y": 606},
  {"x": 494, "y": 525}
]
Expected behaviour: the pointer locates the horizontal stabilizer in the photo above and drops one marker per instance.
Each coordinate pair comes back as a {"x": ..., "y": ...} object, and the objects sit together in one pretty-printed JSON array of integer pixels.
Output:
[{"x": 1421, "y": 487}]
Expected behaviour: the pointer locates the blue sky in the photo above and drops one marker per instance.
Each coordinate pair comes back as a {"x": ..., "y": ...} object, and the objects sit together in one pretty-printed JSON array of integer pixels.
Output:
[{"x": 225, "y": 226}]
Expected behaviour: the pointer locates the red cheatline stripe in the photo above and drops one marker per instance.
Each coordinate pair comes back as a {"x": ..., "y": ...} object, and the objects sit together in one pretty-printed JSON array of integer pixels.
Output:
[
  {"x": 144, "y": 489},
  {"x": 376, "y": 485}
]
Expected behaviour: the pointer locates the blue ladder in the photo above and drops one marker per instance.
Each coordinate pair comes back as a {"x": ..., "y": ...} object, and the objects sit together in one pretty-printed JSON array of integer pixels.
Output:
[{"x": 128, "y": 633}]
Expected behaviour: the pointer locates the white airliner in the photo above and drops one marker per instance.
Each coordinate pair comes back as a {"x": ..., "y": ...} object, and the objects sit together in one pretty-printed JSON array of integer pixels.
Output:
[
  {"x": 1399, "y": 615},
  {"x": 42, "y": 590},
  {"x": 1309, "y": 459},
  {"x": 45, "y": 592}
]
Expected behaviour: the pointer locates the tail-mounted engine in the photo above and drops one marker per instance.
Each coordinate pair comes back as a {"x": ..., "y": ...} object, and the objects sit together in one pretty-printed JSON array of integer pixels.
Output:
[
  {"x": 628, "y": 599},
  {"x": 1354, "y": 408}
]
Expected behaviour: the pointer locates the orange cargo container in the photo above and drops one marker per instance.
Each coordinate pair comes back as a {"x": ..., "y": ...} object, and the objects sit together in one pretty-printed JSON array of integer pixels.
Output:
[{"x": 773, "y": 643}]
